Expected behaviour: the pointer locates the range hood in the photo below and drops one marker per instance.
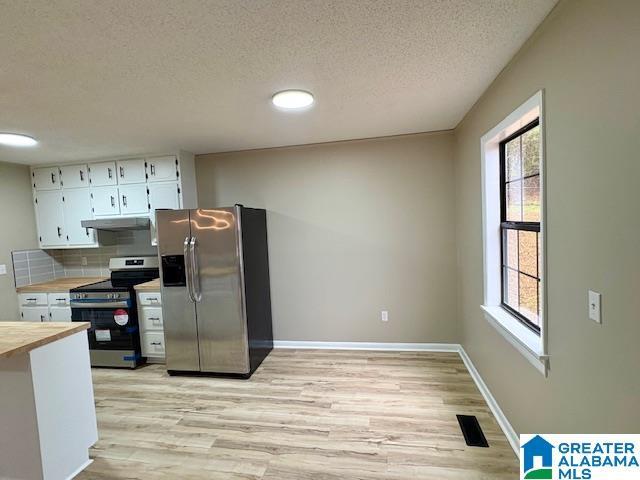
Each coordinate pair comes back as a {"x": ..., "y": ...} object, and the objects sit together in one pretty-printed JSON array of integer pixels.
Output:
[{"x": 117, "y": 224}]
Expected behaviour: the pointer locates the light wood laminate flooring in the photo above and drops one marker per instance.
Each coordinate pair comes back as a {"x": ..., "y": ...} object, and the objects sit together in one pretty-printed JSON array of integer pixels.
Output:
[{"x": 305, "y": 414}]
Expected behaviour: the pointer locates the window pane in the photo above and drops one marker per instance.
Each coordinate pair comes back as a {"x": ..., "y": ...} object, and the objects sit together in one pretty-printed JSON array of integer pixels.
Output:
[
  {"x": 527, "y": 252},
  {"x": 511, "y": 288},
  {"x": 531, "y": 151},
  {"x": 531, "y": 199},
  {"x": 513, "y": 163},
  {"x": 510, "y": 248},
  {"x": 514, "y": 201},
  {"x": 529, "y": 298}
]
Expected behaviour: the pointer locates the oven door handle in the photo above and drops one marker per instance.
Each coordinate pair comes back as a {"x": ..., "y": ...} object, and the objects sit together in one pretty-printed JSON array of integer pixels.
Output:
[
  {"x": 187, "y": 270},
  {"x": 99, "y": 304}
]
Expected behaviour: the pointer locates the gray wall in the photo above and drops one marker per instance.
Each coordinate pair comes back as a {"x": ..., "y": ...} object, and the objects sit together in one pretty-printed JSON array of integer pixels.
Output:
[
  {"x": 17, "y": 229},
  {"x": 354, "y": 228},
  {"x": 586, "y": 58}
]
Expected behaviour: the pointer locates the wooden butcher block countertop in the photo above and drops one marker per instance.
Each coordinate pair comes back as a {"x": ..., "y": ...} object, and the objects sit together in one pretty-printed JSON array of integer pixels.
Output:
[
  {"x": 152, "y": 286},
  {"x": 17, "y": 338},
  {"x": 59, "y": 284}
]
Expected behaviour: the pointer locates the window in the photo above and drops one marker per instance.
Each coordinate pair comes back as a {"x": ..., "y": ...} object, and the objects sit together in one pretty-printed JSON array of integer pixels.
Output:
[
  {"x": 520, "y": 224},
  {"x": 513, "y": 230}
]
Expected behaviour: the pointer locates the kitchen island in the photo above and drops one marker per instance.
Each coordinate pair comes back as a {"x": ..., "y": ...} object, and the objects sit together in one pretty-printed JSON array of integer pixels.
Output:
[{"x": 47, "y": 411}]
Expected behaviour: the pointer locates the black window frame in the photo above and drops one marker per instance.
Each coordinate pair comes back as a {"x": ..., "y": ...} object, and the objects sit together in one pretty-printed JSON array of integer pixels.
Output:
[{"x": 518, "y": 226}]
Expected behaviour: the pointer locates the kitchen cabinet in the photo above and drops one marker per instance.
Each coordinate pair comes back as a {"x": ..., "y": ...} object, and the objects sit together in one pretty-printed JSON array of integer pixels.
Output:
[
  {"x": 50, "y": 217},
  {"x": 162, "y": 169},
  {"x": 105, "y": 201},
  {"x": 133, "y": 199},
  {"x": 102, "y": 174},
  {"x": 151, "y": 326},
  {"x": 74, "y": 176},
  {"x": 164, "y": 195},
  {"x": 131, "y": 171},
  {"x": 77, "y": 207},
  {"x": 132, "y": 187},
  {"x": 47, "y": 178},
  {"x": 44, "y": 307}
]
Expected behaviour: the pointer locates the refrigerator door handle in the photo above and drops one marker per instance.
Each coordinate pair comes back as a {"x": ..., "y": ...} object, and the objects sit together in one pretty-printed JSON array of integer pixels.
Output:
[
  {"x": 187, "y": 273},
  {"x": 195, "y": 272}
]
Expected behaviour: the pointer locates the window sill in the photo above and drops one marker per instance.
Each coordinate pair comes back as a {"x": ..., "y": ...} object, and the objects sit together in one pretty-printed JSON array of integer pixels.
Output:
[{"x": 524, "y": 340}]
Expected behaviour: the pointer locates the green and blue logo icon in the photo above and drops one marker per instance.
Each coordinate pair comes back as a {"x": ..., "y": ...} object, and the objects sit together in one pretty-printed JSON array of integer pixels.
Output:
[{"x": 537, "y": 458}]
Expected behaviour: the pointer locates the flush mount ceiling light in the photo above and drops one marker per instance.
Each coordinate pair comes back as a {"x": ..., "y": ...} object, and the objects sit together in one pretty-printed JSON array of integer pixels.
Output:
[
  {"x": 292, "y": 99},
  {"x": 17, "y": 140}
]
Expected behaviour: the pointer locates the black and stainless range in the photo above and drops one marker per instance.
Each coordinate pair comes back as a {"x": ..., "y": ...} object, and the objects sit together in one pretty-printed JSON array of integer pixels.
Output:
[{"x": 110, "y": 307}]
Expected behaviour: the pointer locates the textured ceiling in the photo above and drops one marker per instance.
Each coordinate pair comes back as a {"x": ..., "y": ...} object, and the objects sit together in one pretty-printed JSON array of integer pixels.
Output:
[{"x": 93, "y": 79}]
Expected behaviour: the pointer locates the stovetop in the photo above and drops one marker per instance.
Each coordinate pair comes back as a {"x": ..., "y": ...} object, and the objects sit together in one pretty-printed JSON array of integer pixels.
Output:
[{"x": 106, "y": 286}]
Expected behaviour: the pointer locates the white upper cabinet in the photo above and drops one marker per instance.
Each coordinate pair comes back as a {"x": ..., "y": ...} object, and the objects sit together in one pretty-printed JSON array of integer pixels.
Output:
[
  {"x": 164, "y": 195},
  {"x": 47, "y": 178},
  {"x": 102, "y": 174},
  {"x": 133, "y": 199},
  {"x": 131, "y": 171},
  {"x": 66, "y": 195},
  {"x": 50, "y": 216},
  {"x": 162, "y": 169},
  {"x": 77, "y": 207},
  {"x": 105, "y": 201},
  {"x": 74, "y": 176}
]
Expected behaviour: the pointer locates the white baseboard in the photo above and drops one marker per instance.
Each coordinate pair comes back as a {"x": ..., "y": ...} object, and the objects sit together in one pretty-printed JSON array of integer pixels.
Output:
[
  {"x": 500, "y": 417},
  {"x": 502, "y": 420},
  {"x": 406, "y": 347}
]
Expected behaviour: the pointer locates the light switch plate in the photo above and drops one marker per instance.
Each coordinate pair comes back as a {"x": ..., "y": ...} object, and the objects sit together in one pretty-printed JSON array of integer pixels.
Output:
[
  {"x": 384, "y": 315},
  {"x": 594, "y": 306},
  {"x": 3, "y": 269}
]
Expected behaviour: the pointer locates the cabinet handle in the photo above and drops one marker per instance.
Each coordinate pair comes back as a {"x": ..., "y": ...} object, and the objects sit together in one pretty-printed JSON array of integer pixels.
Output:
[
  {"x": 32, "y": 299},
  {"x": 113, "y": 201},
  {"x": 110, "y": 173},
  {"x": 59, "y": 232},
  {"x": 42, "y": 318},
  {"x": 154, "y": 319},
  {"x": 124, "y": 200},
  {"x": 153, "y": 299},
  {"x": 156, "y": 343},
  {"x": 61, "y": 300},
  {"x": 121, "y": 172},
  {"x": 81, "y": 176},
  {"x": 53, "y": 178},
  {"x": 87, "y": 230},
  {"x": 153, "y": 169}
]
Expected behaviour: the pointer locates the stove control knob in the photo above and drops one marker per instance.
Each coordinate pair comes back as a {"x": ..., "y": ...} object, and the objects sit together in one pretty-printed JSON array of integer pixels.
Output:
[{"x": 116, "y": 295}]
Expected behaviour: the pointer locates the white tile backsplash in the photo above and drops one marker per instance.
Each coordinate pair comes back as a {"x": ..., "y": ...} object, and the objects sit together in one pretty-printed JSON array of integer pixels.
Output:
[{"x": 35, "y": 266}]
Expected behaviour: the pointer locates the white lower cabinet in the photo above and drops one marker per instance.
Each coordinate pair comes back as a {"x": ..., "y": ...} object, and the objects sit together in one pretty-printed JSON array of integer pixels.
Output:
[
  {"x": 45, "y": 307},
  {"x": 151, "y": 326}
]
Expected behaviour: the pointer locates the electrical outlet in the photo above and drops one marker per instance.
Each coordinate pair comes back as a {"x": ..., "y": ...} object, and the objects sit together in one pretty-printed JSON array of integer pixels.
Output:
[
  {"x": 83, "y": 261},
  {"x": 384, "y": 316},
  {"x": 594, "y": 307},
  {"x": 3, "y": 269}
]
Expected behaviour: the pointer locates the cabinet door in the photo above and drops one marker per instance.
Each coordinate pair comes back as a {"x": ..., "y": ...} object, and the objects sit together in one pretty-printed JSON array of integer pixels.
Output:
[
  {"x": 164, "y": 196},
  {"x": 74, "y": 176},
  {"x": 47, "y": 178},
  {"x": 103, "y": 173},
  {"x": 49, "y": 212},
  {"x": 133, "y": 199},
  {"x": 131, "y": 171},
  {"x": 105, "y": 201},
  {"x": 162, "y": 169},
  {"x": 77, "y": 207},
  {"x": 34, "y": 314},
  {"x": 60, "y": 314}
]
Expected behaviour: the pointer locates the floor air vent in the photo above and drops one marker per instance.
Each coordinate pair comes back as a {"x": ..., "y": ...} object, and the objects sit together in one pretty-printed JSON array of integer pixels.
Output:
[{"x": 471, "y": 430}]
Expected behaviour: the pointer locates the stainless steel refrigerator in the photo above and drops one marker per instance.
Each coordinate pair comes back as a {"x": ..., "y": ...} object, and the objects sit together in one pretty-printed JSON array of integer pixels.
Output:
[{"x": 216, "y": 301}]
